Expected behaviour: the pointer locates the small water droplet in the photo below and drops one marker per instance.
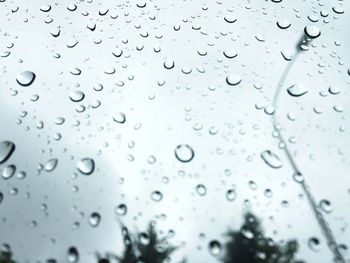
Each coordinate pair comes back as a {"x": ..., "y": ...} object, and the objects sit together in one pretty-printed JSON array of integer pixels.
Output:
[
  {"x": 326, "y": 206},
  {"x": 86, "y": 166},
  {"x": 312, "y": 31},
  {"x": 73, "y": 255},
  {"x": 184, "y": 153},
  {"x": 76, "y": 96},
  {"x": 233, "y": 79},
  {"x": 6, "y": 150},
  {"x": 271, "y": 159},
  {"x": 121, "y": 210},
  {"x": 157, "y": 196},
  {"x": 169, "y": 64},
  {"x": 94, "y": 219},
  {"x": 201, "y": 189},
  {"x": 8, "y": 171},
  {"x": 25, "y": 78},
  {"x": 51, "y": 165},
  {"x": 314, "y": 244},
  {"x": 297, "y": 90},
  {"x": 231, "y": 194},
  {"x": 119, "y": 118},
  {"x": 215, "y": 248}
]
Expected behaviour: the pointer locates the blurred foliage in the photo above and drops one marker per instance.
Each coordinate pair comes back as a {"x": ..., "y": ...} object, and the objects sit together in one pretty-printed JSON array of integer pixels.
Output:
[
  {"x": 249, "y": 245},
  {"x": 6, "y": 257},
  {"x": 145, "y": 247}
]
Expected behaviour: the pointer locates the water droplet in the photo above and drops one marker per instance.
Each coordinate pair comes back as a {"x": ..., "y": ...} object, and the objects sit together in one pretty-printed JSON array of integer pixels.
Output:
[
  {"x": 297, "y": 90},
  {"x": 326, "y": 206},
  {"x": 119, "y": 118},
  {"x": 169, "y": 64},
  {"x": 94, "y": 219},
  {"x": 201, "y": 189},
  {"x": 77, "y": 96},
  {"x": 215, "y": 248},
  {"x": 283, "y": 24},
  {"x": 233, "y": 79},
  {"x": 298, "y": 177},
  {"x": 184, "y": 153},
  {"x": 271, "y": 159},
  {"x": 230, "y": 53},
  {"x": 51, "y": 165},
  {"x": 338, "y": 10},
  {"x": 6, "y": 150},
  {"x": 45, "y": 8},
  {"x": 314, "y": 244},
  {"x": 86, "y": 166},
  {"x": 230, "y": 18},
  {"x": 157, "y": 196},
  {"x": 72, "y": 255},
  {"x": 121, "y": 210},
  {"x": 231, "y": 194},
  {"x": 25, "y": 78},
  {"x": 312, "y": 31},
  {"x": 8, "y": 171}
]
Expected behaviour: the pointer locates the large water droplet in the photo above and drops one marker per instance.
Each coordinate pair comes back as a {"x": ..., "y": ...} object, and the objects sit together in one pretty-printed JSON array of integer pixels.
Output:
[
  {"x": 271, "y": 159},
  {"x": 8, "y": 171},
  {"x": 233, "y": 79},
  {"x": 6, "y": 150},
  {"x": 76, "y": 96},
  {"x": 86, "y": 166},
  {"x": 283, "y": 24},
  {"x": 297, "y": 90},
  {"x": 312, "y": 31},
  {"x": 25, "y": 78},
  {"x": 51, "y": 165},
  {"x": 184, "y": 153}
]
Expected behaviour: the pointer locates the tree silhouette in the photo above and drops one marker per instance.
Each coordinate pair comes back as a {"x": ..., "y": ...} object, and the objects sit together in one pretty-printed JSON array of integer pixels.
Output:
[
  {"x": 6, "y": 255},
  {"x": 249, "y": 245},
  {"x": 145, "y": 247}
]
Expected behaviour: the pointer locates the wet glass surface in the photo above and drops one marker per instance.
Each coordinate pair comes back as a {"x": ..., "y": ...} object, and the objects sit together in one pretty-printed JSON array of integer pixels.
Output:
[{"x": 174, "y": 131}]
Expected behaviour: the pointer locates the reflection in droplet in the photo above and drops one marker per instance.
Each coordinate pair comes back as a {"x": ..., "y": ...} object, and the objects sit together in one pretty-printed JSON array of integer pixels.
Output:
[
  {"x": 271, "y": 159},
  {"x": 86, "y": 166},
  {"x": 6, "y": 150},
  {"x": 184, "y": 153},
  {"x": 25, "y": 78}
]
